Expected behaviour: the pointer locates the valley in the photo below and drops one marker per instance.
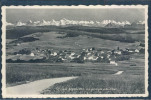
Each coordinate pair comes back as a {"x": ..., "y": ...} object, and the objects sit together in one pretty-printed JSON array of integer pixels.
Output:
[{"x": 93, "y": 54}]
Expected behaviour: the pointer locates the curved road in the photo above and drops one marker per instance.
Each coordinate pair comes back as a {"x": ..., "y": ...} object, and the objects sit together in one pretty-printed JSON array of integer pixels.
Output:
[{"x": 35, "y": 87}]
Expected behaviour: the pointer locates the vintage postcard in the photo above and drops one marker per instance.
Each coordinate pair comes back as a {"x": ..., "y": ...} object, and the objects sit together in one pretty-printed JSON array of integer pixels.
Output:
[{"x": 75, "y": 51}]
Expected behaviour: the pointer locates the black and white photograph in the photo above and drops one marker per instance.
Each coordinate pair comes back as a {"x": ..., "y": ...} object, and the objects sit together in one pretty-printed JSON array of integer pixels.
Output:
[{"x": 75, "y": 51}]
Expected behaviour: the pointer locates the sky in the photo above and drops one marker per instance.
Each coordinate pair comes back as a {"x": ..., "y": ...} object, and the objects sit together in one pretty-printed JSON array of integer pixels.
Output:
[{"x": 97, "y": 14}]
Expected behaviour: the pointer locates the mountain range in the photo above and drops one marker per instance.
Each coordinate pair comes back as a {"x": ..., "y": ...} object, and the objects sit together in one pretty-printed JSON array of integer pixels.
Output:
[{"x": 66, "y": 22}]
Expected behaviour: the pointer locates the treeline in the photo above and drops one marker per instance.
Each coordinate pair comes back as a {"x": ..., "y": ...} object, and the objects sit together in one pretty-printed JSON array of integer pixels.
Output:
[
  {"x": 115, "y": 37},
  {"x": 101, "y": 30},
  {"x": 20, "y": 31}
]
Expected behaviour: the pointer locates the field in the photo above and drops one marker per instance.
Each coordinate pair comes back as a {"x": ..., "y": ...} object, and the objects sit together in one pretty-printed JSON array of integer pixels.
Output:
[{"x": 93, "y": 78}]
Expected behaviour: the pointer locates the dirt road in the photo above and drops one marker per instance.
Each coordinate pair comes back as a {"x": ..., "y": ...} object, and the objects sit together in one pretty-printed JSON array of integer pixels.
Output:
[
  {"x": 118, "y": 73},
  {"x": 35, "y": 87}
]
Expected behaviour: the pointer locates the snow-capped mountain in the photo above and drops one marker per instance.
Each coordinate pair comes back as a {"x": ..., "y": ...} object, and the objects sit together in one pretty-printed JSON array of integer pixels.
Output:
[
  {"x": 113, "y": 23},
  {"x": 29, "y": 22},
  {"x": 141, "y": 22},
  {"x": 9, "y": 24},
  {"x": 36, "y": 22},
  {"x": 66, "y": 22},
  {"x": 20, "y": 23}
]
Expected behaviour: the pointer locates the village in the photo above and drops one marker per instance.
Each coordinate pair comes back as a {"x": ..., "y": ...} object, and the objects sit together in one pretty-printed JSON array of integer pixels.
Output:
[{"x": 92, "y": 54}]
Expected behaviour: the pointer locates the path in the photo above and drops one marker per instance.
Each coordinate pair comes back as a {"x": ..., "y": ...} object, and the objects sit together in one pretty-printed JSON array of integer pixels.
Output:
[
  {"x": 35, "y": 87},
  {"x": 118, "y": 73}
]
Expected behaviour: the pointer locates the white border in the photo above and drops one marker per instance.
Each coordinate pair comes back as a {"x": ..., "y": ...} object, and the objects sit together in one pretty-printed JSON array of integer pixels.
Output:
[{"x": 3, "y": 71}]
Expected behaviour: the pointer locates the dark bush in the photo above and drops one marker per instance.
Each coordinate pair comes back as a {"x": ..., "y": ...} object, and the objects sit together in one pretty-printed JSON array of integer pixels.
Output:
[
  {"x": 122, "y": 57},
  {"x": 142, "y": 50},
  {"x": 125, "y": 53},
  {"x": 27, "y": 39},
  {"x": 71, "y": 35},
  {"x": 23, "y": 51},
  {"x": 78, "y": 60},
  {"x": 142, "y": 44},
  {"x": 59, "y": 60}
]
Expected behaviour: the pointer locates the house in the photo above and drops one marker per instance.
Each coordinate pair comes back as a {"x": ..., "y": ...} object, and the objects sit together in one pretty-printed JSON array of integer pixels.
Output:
[
  {"x": 18, "y": 44},
  {"x": 53, "y": 54},
  {"x": 102, "y": 52},
  {"x": 136, "y": 50},
  {"x": 108, "y": 55},
  {"x": 91, "y": 49},
  {"x": 85, "y": 58},
  {"x": 71, "y": 57},
  {"x": 87, "y": 50},
  {"x": 93, "y": 58},
  {"x": 18, "y": 54},
  {"x": 72, "y": 53},
  {"x": 113, "y": 63},
  {"x": 130, "y": 51},
  {"x": 88, "y": 53},
  {"x": 62, "y": 58},
  {"x": 109, "y": 52},
  {"x": 102, "y": 57},
  {"x": 118, "y": 52},
  {"x": 32, "y": 54},
  {"x": 78, "y": 56}
]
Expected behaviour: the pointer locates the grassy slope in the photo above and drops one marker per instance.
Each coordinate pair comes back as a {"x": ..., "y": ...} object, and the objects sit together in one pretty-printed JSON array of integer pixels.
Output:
[
  {"x": 92, "y": 76},
  {"x": 100, "y": 84},
  {"x": 50, "y": 40},
  {"x": 33, "y": 71},
  {"x": 99, "y": 32},
  {"x": 130, "y": 82}
]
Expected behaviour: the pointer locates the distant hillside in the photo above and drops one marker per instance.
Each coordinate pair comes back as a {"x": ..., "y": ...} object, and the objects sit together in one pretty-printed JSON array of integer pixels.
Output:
[
  {"x": 17, "y": 32},
  {"x": 20, "y": 31},
  {"x": 116, "y": 34}
]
